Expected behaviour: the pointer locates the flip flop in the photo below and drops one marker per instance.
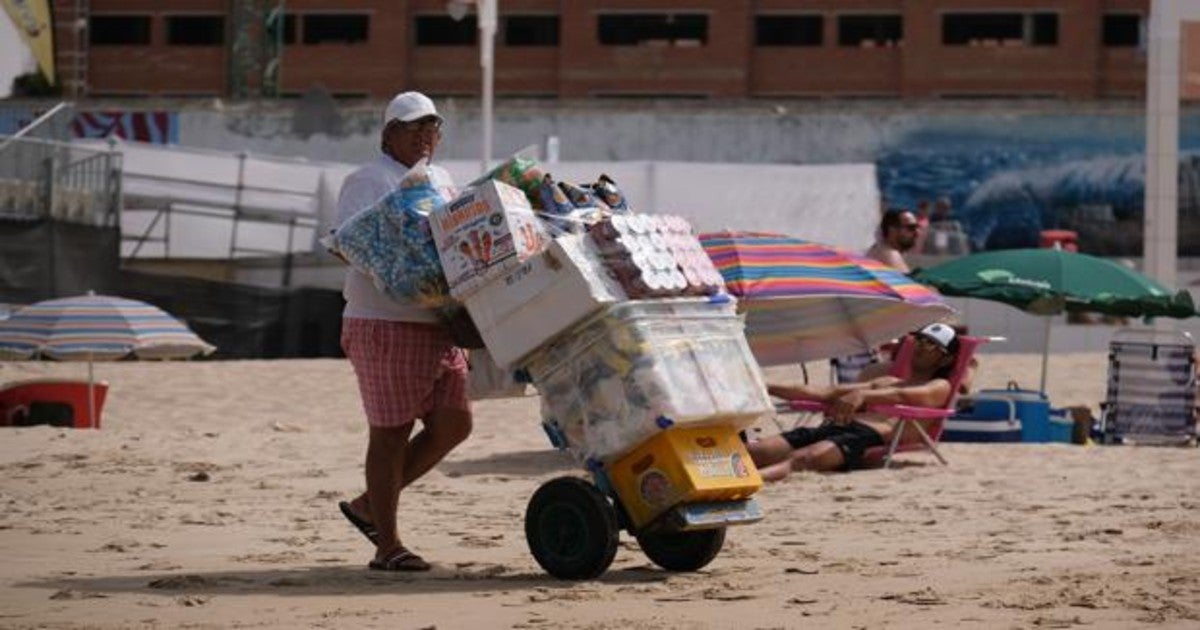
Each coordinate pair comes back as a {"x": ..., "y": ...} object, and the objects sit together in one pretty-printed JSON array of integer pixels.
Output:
[
  {"x": 360, "y": 523},
  {"x": 400, "y": 559}
]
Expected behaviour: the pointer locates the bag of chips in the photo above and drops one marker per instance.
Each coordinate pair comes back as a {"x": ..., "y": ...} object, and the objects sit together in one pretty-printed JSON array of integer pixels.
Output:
[{"x": 522, "y": 172}]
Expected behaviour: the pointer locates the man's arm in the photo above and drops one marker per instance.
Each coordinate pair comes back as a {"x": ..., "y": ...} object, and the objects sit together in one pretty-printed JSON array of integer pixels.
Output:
[
  {"x": 893, "y": 258},
  {"x": 881, "y": 392},
  {"x": 828, "y": 392}
]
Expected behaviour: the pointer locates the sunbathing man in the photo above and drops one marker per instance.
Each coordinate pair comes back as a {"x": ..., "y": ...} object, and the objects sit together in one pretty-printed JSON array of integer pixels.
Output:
[{"x": 849, "y": 430}]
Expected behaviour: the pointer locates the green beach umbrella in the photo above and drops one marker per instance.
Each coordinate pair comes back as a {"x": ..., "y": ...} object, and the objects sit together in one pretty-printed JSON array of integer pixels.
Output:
[{"x": 1051, "y": 281}]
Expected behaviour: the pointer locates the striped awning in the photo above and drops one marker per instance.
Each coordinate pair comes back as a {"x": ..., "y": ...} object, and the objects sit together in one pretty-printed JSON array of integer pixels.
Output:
[
  {"x": 806, "y": 301},
  {"x": 96, "y": 328}
]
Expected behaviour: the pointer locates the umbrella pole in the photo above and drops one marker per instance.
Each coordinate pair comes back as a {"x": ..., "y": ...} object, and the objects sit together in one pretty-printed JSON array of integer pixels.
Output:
[
  {"x": 1045, "y": 354},
  {"x": 91, "y": 402}
]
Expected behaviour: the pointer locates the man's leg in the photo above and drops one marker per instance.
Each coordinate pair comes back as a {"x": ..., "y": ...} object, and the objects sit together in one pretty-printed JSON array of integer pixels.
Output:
[
  {"x": 770, "y": 450},
  {"x": 822, "y": 456},
  {"x": 387, "y": 450},
  {"x": 442, "y": 431}
]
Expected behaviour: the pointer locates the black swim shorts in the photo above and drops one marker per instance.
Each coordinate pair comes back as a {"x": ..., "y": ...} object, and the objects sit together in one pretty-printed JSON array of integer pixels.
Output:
[{"x": 852, "y": 440}]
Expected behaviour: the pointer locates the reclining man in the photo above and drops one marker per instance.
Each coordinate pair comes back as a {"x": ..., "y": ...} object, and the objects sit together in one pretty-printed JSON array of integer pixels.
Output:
[{"x": 849, "y": 430}]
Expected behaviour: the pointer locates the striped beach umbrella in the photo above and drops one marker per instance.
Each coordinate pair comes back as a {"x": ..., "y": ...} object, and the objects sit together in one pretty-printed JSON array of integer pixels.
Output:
[
  {"x": 96, "y": 328},
  {"x": 806, "y": 301}
]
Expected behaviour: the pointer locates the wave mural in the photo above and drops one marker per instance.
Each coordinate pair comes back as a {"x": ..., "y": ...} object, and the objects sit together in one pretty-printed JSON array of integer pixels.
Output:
[{"x": 1010, "y": 177}]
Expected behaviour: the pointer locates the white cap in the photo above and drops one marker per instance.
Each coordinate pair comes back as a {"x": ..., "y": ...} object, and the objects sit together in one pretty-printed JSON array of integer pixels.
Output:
[
  {"x": 409, "y": 106},
  {"x": 941, "y": 334}
]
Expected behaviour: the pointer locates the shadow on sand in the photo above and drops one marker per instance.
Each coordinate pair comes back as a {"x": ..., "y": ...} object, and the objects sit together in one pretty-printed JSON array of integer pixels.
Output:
[
  {"x": 527, "y": 463},
  {"x": 340, "y": 580}
]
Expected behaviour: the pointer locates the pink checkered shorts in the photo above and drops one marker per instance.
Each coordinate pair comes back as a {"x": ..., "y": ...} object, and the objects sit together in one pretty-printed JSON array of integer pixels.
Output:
[{"x": 405, "y": 370}]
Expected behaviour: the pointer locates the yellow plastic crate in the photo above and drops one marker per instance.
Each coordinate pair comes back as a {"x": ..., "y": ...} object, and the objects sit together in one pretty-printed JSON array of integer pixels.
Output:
[{"x": 683, "y": 465}]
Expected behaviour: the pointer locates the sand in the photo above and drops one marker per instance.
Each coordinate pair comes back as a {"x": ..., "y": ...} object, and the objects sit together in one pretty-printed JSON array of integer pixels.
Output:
[{"x": 208, "y": 500}]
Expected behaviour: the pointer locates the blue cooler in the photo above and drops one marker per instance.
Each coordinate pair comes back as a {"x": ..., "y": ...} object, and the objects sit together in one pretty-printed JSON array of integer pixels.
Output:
[
  {"x": 1001, "y": 415},
  {"x": 1062, "y": 426}
]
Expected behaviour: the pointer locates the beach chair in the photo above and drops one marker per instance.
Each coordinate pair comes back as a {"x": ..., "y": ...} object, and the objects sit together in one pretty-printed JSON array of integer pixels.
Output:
[
  {"x": 917, "y": 428},
  {"x": 1151, "y": 395},
  {"x": 846, "y": 369}
]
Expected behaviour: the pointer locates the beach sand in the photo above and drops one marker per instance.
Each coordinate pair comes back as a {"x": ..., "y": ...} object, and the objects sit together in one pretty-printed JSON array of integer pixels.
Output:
[{"x": 118, "y": 528}]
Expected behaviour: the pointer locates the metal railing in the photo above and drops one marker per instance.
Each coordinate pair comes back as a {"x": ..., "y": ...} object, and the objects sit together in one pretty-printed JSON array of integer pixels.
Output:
[{"x": 47, "y": 179}]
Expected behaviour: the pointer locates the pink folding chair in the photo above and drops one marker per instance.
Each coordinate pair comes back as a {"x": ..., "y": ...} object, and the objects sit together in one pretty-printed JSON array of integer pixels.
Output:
[{"x": 926, "y": 422}]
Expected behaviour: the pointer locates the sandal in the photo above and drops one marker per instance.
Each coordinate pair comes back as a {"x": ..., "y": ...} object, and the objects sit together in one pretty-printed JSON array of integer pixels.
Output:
[
  {"x": 360, "y": 523},
  {"x": 400, "y": 559}
]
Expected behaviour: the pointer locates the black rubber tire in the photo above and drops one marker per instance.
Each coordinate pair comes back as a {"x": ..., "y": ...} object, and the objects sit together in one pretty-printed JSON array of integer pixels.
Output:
[
  {"x": 571, "y": 529},
  {"x": 682, "y": 551}
]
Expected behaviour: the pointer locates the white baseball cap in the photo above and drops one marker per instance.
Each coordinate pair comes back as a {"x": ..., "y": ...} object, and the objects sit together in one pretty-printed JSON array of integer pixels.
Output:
[
  {"x": 409, "y": 106},
  {"x": 941, "y": 334}
]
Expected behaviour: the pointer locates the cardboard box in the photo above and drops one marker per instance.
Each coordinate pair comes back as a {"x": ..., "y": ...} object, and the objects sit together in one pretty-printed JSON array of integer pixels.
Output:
[
  {"x": 531, "y": 304},
  {"x": 485, "y": 231},
  {"x": 683, "y": 465}
]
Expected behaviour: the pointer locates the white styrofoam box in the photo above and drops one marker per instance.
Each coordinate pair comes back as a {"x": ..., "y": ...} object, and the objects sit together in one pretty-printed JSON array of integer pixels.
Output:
[
  {"x": 483, "y": 232},
  {"x": 527, "y": 306},
  {"x": 487, "y": 380}
]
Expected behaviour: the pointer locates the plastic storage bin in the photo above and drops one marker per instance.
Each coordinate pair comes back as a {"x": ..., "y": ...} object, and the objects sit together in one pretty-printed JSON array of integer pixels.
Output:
[
  {"x": 683, "y": 465},
  {"x": 635, "y": 368}
]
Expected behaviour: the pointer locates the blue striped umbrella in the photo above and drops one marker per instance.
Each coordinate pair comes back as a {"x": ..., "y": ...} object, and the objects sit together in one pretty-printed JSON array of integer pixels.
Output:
[{"x": 96, "y": 328}]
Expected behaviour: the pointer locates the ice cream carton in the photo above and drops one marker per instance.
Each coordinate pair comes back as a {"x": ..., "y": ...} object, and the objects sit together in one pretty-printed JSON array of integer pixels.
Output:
[{"x": 487, "y": 230}]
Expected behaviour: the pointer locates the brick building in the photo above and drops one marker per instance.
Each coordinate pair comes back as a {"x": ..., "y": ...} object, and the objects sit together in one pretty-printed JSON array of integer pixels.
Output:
[{"x": 910, "y": 49}]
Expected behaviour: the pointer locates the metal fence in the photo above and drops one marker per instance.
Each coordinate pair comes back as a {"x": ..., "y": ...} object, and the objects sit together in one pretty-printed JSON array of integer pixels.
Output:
[{"x": 42, "y": 179}]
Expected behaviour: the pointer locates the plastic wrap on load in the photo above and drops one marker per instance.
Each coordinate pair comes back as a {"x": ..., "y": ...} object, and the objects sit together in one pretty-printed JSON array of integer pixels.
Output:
[
  {"x": 392, "y": 243},
  {"x": 523, "y": 173},
  {"x": 606, "y": 190},
  {"x": 623, "y": 375},
  {"x": 568, "y": 208},
  {"x": 655, "y": 256}
]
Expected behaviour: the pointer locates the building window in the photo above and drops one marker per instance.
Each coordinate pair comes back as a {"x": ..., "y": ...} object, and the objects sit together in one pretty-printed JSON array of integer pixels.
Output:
[
  {"x": 530, "y": 30},
  {"x": 443, "y": 30},
  {"x": 1044, "y": 29},
  {"x": 982, "y": 29},
  {"x": 195, "y": 30},
  {"x": 652, "y": 29},
  {"x": 335, "y": 28},
  {"x": 119, "y": 30},
  {"x": 789, "y": 30},
  {"x": 870, "y": 30},
  {"x": 1122, "y": 30}
]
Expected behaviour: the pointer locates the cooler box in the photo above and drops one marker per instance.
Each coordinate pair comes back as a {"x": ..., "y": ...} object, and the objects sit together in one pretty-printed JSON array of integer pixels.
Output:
[
  {"x": 527, "y": 306},
  {"x": 1061, "y": 426},
  {"x": 683, "y": 465},
  {"x": 624, "y": 374},
  {"x": 60, "y": 403},
  {"x": 984, "y": 419},
  {"x": 1001, "y": 415}
]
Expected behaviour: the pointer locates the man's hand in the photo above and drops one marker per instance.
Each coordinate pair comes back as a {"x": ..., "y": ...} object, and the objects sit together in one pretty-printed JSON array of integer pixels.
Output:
[{"x": 842, "y": 409}]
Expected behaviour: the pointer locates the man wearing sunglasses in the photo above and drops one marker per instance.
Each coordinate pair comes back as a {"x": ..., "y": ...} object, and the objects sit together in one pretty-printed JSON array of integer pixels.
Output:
[
  {"x": 849, "y": 431},
  {"x": 406, "y": 364},
  {"x": 898, "y": 232}
]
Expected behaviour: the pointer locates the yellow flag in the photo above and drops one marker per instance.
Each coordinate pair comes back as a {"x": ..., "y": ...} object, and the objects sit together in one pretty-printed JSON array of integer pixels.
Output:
[{"x": 32, "y": 19}]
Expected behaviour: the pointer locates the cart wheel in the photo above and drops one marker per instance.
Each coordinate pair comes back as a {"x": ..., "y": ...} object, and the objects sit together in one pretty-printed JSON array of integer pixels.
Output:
[
  {"x": 571, "y": 529},
  {"x": 682, "y": 551}
]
